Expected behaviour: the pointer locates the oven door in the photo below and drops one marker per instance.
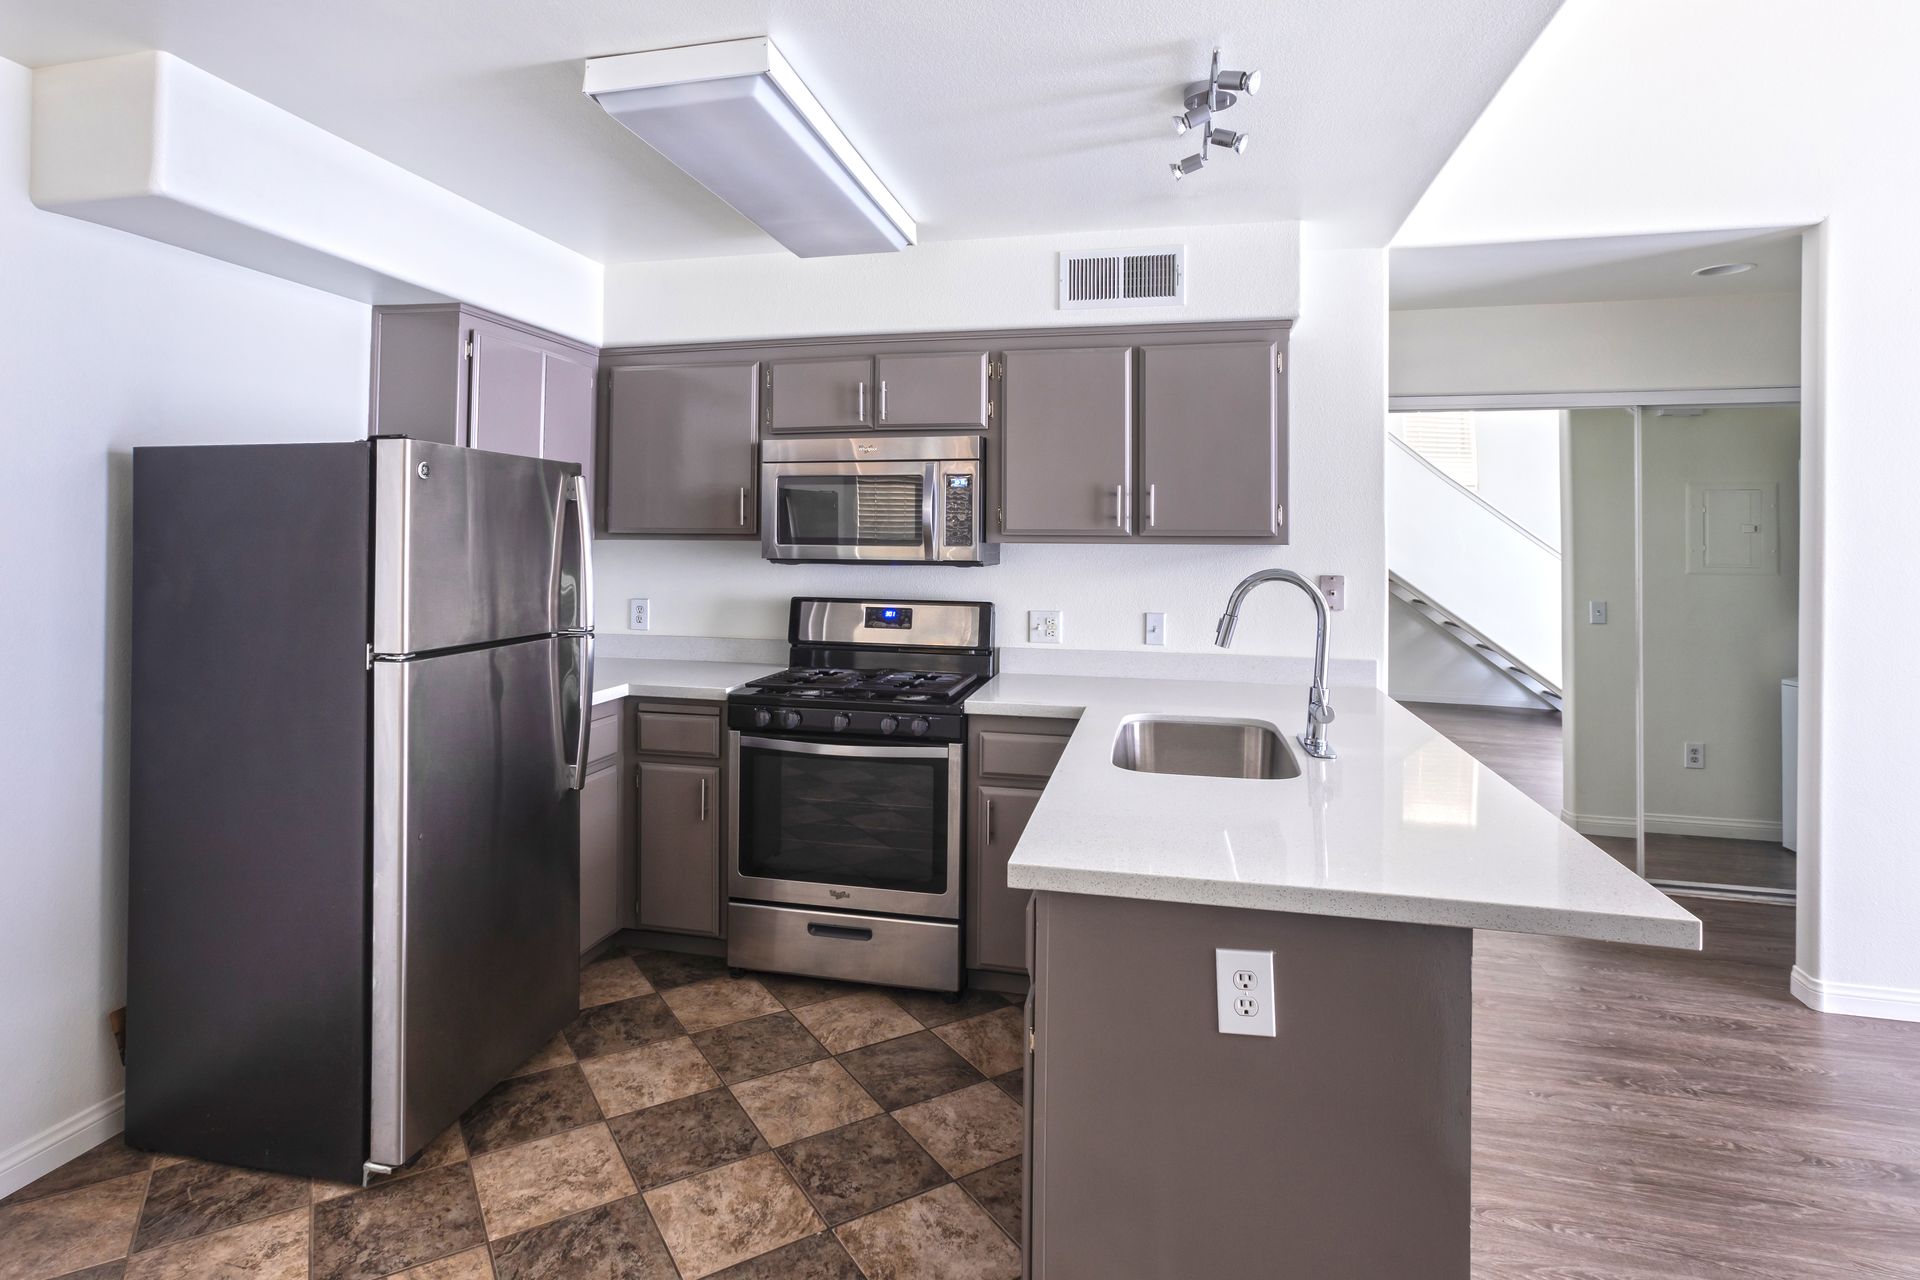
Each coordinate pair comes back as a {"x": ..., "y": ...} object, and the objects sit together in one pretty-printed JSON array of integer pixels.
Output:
[
  {"x": 880, "y": 511},
  {"x": 862, "y": 827}
]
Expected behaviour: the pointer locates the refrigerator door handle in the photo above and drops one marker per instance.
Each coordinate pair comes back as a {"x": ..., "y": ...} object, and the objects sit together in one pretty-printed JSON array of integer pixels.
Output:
[
  {"x": 583, "y": 528},
  {"x": 576, "y": 764}
]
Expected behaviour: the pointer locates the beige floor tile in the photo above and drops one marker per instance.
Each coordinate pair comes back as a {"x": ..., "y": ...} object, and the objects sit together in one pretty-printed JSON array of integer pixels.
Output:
[
  {"x": 268, "y": 1249},
  {"x": 614, "y": 978},
  {"x": 67, "y": 1232},
  {"x": 991, "y": 1042},
  {"x": 648, "y": 1076},
  {"x": 802, "y": 1101},
  {"x": 474, "y": 1264},
  {"x": 852, "y": 1022},
  {"x": 968, "y": 1130},
  {"x": 718, "y": 1001},
  {"x": 739, "y": 1211},
  {"x": 549, "y": 1178},
  {"x": 941, "y": 1235}
]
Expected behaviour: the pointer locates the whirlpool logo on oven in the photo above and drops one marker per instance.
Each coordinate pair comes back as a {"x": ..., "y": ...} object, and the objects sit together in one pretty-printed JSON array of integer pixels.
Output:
[{"x": 838, "y": 893}]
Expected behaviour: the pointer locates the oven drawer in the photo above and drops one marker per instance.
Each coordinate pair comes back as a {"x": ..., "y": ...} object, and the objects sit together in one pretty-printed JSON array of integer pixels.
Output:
[{"x": 844, "y": 945}]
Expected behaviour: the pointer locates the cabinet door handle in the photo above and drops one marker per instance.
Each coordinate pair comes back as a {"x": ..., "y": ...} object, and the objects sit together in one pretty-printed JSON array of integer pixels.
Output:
[
  {"x": 1119, "y": 506},
  {"x": 703, "y": 799},
  {"x": 989, "y": 817},
  {"x": 743, "y": 506},
  {"x": 861, "y": 415},
  {"x": 883, "y": 399},
  {"x": 1150, "y": 519}
]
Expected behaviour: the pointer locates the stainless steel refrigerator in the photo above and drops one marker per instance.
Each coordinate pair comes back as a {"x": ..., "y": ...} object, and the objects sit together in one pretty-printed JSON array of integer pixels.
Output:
[{"x": 361, "y": 685}]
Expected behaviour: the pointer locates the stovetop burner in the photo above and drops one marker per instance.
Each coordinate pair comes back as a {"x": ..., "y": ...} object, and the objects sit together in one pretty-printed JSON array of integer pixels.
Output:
[{"x": 890, "y": 684}]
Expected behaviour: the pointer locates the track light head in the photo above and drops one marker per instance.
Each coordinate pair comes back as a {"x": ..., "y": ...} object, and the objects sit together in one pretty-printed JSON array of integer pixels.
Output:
[
  {"x": 1232, "y": 140},
  {"x": 1191, "y": 118},
  {"x": 1192, "y": 164},
  {"x": 1247, "y": 82}
]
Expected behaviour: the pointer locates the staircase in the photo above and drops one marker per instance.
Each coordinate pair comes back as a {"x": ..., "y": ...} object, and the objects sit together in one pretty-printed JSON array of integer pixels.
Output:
[{"x": 1486, "y": 650}]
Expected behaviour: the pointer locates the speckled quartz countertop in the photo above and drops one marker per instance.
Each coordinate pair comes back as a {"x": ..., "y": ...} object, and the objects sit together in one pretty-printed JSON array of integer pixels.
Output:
[
  {"x": 1403, "y": 826},
  {"x": 615, "y": 678}
]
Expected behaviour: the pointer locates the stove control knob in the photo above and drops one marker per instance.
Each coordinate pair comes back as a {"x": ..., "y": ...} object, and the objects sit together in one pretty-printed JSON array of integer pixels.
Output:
[
  {"x": 789, "y": 719},
  {"x": 917, "y": 727},
  {"x": 762, "y": 717},
  {"x": 888, "y": 724},
  {"x": 841, "y": 720}
]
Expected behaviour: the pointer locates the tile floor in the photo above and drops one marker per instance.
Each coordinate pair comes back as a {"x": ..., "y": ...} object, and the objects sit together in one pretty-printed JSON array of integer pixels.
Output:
[{"x": 688, "y": 1124}]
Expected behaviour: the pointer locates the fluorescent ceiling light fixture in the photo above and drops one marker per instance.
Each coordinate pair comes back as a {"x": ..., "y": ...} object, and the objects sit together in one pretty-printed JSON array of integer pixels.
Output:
[
  {"x": 1723, "y": 269},
  {"x": 735, "y": 116}
]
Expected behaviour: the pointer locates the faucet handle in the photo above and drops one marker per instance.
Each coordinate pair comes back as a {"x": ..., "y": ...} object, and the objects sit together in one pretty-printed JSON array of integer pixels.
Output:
[{"x": 1319, "y": 710}]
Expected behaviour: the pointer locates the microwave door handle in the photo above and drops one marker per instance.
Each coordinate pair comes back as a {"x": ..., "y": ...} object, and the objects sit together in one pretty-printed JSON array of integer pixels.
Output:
[{"x": 935, "y": 537}]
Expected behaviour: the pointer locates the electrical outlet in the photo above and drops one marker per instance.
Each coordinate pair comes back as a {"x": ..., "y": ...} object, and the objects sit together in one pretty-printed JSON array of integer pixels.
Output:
[
  {"x": 639, "y": 614},
  {"x": 1597, "y": 613},
  {"x": 1156, "y": 628},
  {"x": 1043, "y": 626},
  {"x": 1695, "y": 756},
  {"x": 1333, "y": 588},
  {"x": 1243, "y": 992}
]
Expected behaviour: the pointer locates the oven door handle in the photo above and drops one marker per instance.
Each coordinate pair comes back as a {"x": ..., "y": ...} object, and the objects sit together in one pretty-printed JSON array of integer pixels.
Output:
[{"x": 792, "y": 747}]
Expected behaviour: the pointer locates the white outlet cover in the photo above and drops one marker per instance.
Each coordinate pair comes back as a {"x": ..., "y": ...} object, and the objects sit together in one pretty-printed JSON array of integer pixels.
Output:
[
  {"x": 1243, "y": 992},
  {"x": 639, "y": 614},
  {"x": 1044, "y": 626}
]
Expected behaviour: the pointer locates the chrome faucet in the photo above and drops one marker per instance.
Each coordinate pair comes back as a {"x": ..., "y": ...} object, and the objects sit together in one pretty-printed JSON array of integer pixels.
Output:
[{"x": 1319, "y": 710}]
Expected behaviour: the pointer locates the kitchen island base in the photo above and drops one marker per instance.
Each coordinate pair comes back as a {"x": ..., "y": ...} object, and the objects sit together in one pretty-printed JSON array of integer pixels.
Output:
[{"x": 1161, "y": 1149}]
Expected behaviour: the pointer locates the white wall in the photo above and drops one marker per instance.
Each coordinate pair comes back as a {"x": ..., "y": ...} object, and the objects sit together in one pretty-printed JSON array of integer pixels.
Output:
[
  {"x": 106, "y": 341},
  {"x": 1337, "y": 381},
  {"x": 1602, "y": 727},
  {"x": 1769, "y": 113},
  {"x": 1746, "y": 340},
  {"x": 1716, "y": 646},
  {"x": 1234, "y": 272},
  {"x": 1520, "y": 467}
]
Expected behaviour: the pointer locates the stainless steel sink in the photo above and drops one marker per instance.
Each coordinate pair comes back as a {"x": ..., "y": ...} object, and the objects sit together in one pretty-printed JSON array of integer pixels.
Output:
[{"x": 1203, "y": 748}]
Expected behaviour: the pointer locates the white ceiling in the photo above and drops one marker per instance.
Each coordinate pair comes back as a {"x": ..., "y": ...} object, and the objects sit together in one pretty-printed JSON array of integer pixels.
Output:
[
  {"x": 1601, "y": 269},
  {"x": 995, "y": 118}
]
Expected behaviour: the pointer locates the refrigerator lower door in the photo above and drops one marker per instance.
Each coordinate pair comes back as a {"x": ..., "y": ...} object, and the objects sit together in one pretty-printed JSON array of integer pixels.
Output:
[
  {"x": 472, "y": 547},
  {"x": 475, "y": 878}
]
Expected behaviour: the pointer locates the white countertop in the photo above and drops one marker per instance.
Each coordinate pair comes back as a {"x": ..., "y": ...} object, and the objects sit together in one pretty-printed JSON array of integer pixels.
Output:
[
  {"x": 615, "y": 678},
  {"x": 1403, "y": 826}
]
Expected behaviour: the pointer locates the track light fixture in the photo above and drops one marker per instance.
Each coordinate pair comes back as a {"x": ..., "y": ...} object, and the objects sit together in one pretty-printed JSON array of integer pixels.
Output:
[{"x": 1205, "y": 100}]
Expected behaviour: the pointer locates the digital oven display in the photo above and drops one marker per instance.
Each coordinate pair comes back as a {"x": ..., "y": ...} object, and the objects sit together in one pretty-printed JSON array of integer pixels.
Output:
[{"x": 888, "y": 615}]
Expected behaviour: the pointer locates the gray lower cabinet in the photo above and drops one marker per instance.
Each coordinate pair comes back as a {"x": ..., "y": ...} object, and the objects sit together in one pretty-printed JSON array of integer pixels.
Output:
[
  {"x": 679, "y": 843},
  {"x": 1008, "y": 763},
  {"x": 1066, "y": 444},
  {"x": 603, "y": 870},
  {"x": 681, "y": 454},
  {"x": 1211, "y": 427},
  {"x": 821, "y": 395},
  {"x": 935, "y": 389}
]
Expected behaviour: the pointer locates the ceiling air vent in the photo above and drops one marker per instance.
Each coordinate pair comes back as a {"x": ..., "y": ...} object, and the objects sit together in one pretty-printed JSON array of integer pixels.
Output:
[{"x": 1124, "y": 278}]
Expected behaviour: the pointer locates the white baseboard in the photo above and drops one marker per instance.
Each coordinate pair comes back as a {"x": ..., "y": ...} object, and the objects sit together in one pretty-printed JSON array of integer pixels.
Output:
[
  {"x": 1899, "y": 1004},
  {"x": 1681, "y": 824},
  {"x": 53, "y": 1146},
  {"x": 1600, "y": 824}
]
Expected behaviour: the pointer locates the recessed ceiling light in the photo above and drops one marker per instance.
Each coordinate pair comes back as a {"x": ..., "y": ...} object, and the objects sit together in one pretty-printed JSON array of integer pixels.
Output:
[{"x": 1723, "y": 269}]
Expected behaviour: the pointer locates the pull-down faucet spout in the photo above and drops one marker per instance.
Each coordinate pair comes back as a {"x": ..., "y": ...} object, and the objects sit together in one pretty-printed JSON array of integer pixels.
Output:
[{"x": 1319, "y": 710}]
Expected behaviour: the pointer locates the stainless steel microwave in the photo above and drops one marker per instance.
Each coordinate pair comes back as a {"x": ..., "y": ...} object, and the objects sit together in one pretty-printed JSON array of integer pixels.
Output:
[{"x": 874, "y": 500}]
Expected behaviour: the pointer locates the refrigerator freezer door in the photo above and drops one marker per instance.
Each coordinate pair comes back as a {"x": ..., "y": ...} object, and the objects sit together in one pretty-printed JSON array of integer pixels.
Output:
[
  {"x": 475, "y": 878},
  {"x": 471, "y": 547}
]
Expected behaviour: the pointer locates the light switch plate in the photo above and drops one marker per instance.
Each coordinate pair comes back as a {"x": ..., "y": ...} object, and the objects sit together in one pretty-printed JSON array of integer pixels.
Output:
[
  {"x": 1243, "y": 990},
  {"x": 1043, "y": 626},
  {"x": 1156, "y": 628},
  {"x": 1333, "y": 587},
  {"x": 1597, "y": 613},
  {"x": 639, "y": 614}
]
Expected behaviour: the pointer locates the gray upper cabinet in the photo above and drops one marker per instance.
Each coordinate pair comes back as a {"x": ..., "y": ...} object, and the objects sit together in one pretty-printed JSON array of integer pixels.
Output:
[
  {"x": 680, "y": 449},
  {"x": 945, "y": 389},
  {"x": 821, "y": 395},
  {"x": 566, "y": 412},
  {"x": 504, "y": 405},
  {"x": 1066, "y": 444},
  {"x": 1211, "y": 459}
]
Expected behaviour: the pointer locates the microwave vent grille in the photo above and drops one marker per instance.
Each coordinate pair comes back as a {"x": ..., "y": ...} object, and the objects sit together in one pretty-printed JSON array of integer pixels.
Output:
[{"x": 1155, "y": 277}]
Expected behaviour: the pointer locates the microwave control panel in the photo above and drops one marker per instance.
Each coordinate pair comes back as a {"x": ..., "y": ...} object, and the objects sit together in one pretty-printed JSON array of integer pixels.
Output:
[{"x": 959, "y": 499}]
